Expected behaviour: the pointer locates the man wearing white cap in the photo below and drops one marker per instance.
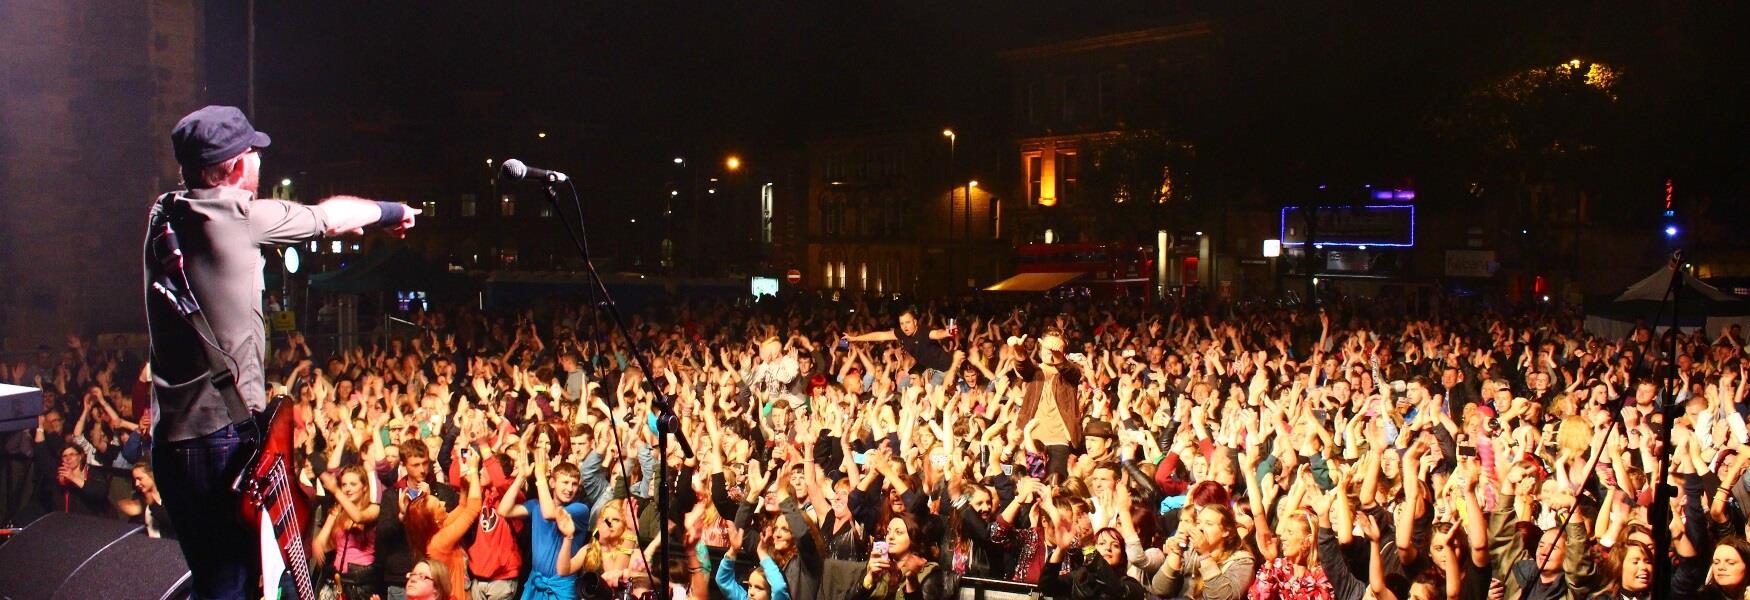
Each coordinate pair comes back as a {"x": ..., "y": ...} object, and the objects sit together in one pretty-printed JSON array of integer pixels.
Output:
[{"x": 1049, "y": 403}]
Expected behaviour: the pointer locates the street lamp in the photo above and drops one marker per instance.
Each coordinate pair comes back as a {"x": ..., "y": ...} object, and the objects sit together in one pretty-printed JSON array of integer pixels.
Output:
[
  {"x": 733, "y": 163},
  {"x": 287, "y": 182},
  {"x": 966, "y": 225},
  {"x": 1273, "y": 251},
  {"x": 952, "y": 139}
]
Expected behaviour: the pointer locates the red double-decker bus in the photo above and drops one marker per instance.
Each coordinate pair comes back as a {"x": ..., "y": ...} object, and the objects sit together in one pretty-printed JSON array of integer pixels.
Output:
[{"x": 1095, "y": 269}]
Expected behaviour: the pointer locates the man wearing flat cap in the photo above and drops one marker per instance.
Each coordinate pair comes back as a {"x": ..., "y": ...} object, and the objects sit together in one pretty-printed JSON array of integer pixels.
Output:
[{"x": 203, "y": 277}]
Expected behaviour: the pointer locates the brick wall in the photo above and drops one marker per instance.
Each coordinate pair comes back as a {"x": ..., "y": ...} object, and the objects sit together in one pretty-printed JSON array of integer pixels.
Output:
[{"x": 91, "y": 89}]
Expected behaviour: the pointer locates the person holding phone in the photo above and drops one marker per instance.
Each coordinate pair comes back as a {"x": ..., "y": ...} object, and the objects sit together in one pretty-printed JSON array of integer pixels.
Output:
[
  {"x": 1098, "y": 574},
  {"x": 902, "y": 566},
  {"x": 1206, "y": 559},
  {"x": 434, "y": 532}
]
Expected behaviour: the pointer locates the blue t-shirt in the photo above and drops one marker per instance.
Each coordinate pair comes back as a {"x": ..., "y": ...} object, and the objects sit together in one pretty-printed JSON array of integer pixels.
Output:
[{"x": 544, "y": 536}]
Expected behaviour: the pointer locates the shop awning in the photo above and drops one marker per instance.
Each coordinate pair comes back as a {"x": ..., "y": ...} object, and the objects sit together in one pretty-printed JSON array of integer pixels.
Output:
[{"x": 1034, "y": 282}]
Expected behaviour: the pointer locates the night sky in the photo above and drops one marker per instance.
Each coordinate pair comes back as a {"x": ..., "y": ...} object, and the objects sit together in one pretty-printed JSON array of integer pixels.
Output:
[{"x": 1294, "y": 93}]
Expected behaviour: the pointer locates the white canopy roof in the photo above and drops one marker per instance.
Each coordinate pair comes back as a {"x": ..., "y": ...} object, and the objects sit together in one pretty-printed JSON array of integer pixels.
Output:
[{"x": 1654, "y": 287}]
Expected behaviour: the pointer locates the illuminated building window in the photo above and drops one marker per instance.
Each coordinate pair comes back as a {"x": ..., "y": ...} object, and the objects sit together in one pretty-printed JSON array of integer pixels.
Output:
[
  {"x": 1069, "y": 174},
  {"x": 843, "y": 279},
  {"x": 830, "y": 280},
  {"x": 1035, "y": 181},
  {"x": 468, "y": 205},
  {"x": 507, "y": 205},
  {"x": 1050, "y": 236},
  {"x": 766, "y": 213},
  {"x": 863, "y": 276},
  {"x": 428, "y": 209}
]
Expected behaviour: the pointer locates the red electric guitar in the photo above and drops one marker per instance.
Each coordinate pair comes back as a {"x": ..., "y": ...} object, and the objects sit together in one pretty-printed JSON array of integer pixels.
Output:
[{"x": 265, "y": 484}]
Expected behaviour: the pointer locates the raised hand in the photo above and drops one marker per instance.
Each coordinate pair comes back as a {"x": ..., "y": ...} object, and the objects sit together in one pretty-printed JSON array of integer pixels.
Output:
[
  {"x": 736, "y": 535},
  {"x": 764, "y": 548},
  {"x": 1369, "y": 527},
  {"x": 562, "y": 519},
  {"x": 757, "y": 480}
]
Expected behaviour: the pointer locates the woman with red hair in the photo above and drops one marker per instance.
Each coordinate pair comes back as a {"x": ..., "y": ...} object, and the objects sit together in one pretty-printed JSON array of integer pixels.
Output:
[{"x": 436, "y": 534}]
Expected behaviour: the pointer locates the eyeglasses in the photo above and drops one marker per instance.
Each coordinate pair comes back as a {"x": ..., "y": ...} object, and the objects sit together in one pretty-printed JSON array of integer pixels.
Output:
[{"x": 411, "y": 577}]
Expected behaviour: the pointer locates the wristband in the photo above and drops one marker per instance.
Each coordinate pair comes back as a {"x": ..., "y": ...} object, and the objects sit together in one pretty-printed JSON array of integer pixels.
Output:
[{"x": 392, "y": 212}]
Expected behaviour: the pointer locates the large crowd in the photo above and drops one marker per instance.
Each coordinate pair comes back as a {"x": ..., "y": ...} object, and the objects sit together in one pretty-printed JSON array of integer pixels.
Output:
[{"x": 873, "y": 450}]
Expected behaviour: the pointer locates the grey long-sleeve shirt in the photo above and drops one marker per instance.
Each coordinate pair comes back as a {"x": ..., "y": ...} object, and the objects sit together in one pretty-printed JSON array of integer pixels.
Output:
[
  {"x": 221, "y": 232},
  {"x": 1226, "y": 581}
]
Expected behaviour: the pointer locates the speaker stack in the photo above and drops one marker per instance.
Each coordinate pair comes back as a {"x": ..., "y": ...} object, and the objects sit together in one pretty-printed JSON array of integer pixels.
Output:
[{"x": 78, "y": 557}]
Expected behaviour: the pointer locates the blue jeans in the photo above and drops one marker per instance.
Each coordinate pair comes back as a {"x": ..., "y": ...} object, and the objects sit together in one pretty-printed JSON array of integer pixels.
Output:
[{"x": 195, "y": 478}]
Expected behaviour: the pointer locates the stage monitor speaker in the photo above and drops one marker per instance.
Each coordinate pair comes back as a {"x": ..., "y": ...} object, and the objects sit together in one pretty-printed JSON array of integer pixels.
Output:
[
  {"x": 72, "y": 556},
  {"x": 977, "y": 588},
  {"x": 19, "y": 407}
]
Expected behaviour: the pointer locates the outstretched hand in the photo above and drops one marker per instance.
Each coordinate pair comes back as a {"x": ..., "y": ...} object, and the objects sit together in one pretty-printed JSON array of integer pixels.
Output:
[{"x": 407, "y": 215}]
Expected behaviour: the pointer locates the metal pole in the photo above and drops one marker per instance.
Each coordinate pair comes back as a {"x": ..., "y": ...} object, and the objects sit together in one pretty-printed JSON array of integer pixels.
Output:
[
  {"x": 250, "y": 68},
  {"x": 1308, "y": 249},
  {"x": 1660, "y": 515},
  {"x": 952, "y": 259}
]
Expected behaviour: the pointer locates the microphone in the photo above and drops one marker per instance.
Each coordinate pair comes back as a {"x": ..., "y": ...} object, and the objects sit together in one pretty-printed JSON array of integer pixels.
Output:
[{"x": 515, "y": 169}]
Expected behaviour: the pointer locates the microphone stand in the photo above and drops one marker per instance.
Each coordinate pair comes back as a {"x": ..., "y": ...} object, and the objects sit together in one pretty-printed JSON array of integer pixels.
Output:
[
  {"x": 666, "y": 421},
  {"x": 1663, "y": 492}
]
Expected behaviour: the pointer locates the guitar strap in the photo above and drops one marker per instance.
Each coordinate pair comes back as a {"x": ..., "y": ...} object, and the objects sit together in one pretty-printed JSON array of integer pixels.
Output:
[{"x": 172, "y": 282}]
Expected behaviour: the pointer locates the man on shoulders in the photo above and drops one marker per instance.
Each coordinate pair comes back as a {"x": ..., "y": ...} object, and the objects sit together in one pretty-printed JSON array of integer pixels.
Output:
[{"x": 923, "y": 346}]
